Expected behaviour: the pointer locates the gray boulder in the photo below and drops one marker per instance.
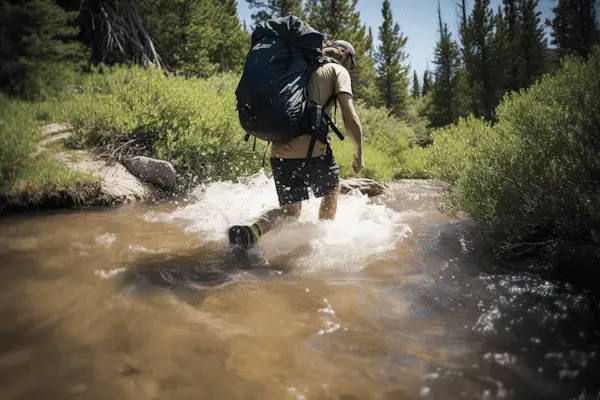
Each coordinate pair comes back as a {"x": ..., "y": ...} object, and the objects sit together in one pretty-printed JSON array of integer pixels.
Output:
[
  {"x": 117, "y": 185},
  {"x": 366, "y": 186},
  {"x": 155, "y": 172}
]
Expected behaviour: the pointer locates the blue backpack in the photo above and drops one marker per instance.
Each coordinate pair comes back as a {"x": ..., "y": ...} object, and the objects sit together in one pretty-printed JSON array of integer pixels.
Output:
[{"x": 272, "y": 95}]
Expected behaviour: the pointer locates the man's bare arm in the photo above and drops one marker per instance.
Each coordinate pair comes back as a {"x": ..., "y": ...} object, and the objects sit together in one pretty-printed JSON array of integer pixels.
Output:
[
  {"x": 353, "y": 128},
  {"x": 351, "y": 121}
]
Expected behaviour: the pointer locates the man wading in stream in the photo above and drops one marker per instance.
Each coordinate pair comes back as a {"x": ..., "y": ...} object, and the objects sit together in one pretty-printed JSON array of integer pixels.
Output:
[{"x": 295, "y": 167}]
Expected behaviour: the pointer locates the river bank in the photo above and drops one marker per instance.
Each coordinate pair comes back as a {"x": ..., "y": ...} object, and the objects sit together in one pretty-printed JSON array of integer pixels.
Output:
[{"x": 102, "y": 181}]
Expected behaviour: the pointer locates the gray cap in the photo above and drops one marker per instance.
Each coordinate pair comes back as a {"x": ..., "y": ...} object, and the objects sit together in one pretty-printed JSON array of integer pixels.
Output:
[{"x": 346, "y": 46}]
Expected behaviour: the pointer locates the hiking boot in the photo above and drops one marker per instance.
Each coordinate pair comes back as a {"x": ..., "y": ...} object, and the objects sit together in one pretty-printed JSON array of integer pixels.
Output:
[{"x": 243, "y": 236}]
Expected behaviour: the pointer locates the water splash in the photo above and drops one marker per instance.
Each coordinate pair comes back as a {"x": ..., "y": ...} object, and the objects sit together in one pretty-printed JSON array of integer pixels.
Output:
[{"x": 361, "y": 230}]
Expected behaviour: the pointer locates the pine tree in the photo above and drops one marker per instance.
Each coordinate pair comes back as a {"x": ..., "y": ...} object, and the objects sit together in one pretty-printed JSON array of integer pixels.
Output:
[
  {"x": 575, "y": 26},
  {"x": 466, "y": 41},
  {"x": 183, "y": 33},
  {"x": 365, "y": 88},
  {"x": 443, "y": 110},
  {"x": 338, "y": 19},
  {"x": 505, "y": 56},
  {"x": 416, "y": 89},
  {"x": 233, "y": 40},
  {"x": 274, "y": 8},
  {"x": 370, "y": 51},
  {"x": 39, "y": 47},
  {"x": 479, "y": 59},
  {"x": 114, "y": 31},
  {"x": 467, "y": 88},
  {"x": 508, "y": 31},
  {"x": 427, "y": 84},
  {"x": 189, "y": 40},
  {"x": 392, "y": 76},
  {"x": 520, "y": 48},
  {"x": 532, "y": 45}
]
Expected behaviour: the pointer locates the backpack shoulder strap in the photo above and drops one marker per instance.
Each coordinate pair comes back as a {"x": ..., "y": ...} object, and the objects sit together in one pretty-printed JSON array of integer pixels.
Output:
[{"x": 326, "y": 60}]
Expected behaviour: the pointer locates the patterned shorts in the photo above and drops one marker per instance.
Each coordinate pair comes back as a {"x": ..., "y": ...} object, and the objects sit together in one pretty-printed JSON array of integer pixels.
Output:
[{"x": 294, "y": 176}]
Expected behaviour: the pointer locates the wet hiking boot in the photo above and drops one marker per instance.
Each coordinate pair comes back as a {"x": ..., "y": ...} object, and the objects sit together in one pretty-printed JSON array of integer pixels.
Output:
[{"x": 244, "y": 236}]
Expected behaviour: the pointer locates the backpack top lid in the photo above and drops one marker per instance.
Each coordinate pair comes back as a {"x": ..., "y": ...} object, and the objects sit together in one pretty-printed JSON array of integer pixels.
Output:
[{"x": 293, "y": 31}]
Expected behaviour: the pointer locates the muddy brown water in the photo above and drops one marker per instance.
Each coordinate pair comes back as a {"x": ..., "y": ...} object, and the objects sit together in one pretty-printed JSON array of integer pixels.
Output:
[{"x": 390, "y": 301}]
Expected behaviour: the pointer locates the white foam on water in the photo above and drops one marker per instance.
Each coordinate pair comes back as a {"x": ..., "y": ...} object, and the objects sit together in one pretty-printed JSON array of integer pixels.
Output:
[
  {"x": 362, "y": 229},
  {"x": 106, "y": 239}
]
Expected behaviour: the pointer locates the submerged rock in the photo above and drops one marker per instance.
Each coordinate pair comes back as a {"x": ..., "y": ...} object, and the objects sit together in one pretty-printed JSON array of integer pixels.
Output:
[
  {"x": 366, "y": 186},
  {"x": 156, "y": 172}
]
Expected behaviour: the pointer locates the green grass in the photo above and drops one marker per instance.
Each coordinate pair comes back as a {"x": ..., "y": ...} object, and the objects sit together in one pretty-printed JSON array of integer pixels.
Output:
[
  {"x": 46, "y": 178},
  {"x": 18, "y": 137},
  {"x": 27, "y": 179}
]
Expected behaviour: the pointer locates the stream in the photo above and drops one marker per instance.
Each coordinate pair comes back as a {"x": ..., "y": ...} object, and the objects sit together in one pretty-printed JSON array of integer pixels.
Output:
[{"x": 389, "y": 301}]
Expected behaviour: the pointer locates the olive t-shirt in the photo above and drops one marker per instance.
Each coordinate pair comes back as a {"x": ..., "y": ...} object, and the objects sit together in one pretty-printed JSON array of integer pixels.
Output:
[{"x": 325, "y": 82}]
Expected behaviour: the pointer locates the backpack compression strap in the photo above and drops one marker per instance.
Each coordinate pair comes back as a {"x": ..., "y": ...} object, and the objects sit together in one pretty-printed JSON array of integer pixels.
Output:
[
  {"x": 329, "y": 120},
  {"x": 321, "y": 114}
]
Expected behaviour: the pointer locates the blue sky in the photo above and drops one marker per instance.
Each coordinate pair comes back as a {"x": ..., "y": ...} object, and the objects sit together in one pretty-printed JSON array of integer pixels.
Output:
[{"x": 418, "y": 21}]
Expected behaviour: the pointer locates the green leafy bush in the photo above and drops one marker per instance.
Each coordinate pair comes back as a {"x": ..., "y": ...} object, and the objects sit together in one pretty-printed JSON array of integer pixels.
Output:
[
  {"x": 193, "y": 123},
  {"x": 189, "y": 122},
  {"x": 385, "y": 140},
  {"x": 532, "y": 180},
  {"x": 414, "y": 166},
  {"x": 378, "y": 164},
  {"x": 384, "y": 132}
]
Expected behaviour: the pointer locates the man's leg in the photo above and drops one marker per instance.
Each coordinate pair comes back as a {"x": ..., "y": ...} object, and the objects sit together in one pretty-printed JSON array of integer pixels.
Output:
[
  {"x": 325, "y": 176},
  {"x": 328, "y": 207},
  {"x": 273, "y": 218},
  {"x": 291, "y": 191},
  {"x": 245, "y": 236}
]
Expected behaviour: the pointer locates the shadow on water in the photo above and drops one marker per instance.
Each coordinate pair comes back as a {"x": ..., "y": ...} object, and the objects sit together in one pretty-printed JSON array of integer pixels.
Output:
[
  {"x": 60, "y": 340},
  {"x": 188, "y": 275}
]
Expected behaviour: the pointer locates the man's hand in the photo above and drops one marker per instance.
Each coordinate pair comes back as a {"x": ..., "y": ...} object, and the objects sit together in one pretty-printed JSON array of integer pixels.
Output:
[{"x": 358, "y": 164}]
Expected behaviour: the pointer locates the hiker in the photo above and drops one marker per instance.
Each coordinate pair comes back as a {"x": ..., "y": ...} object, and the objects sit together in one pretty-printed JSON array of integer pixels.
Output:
[{"x": 293, "y": 171}]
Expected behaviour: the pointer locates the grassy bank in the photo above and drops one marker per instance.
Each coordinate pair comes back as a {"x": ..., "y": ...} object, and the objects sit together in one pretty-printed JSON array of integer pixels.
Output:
[
  {"x": 29, "y": 178},
  {"x": 532, "y": 181}
]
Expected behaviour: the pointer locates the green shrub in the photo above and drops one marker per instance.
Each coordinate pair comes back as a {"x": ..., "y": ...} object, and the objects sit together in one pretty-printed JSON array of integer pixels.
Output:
[
  {"x": 189, "y": 122},
  {"x": 378, "y": 164},
  {"x": 532, "y": 180},
  {"x": 414, "y": 166},
  {"x": 193, "y": 123},
  {"x": 416, "y": 118},
  {"x": 385, "y": 133},
  {"x": 385, "y": 141}
]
